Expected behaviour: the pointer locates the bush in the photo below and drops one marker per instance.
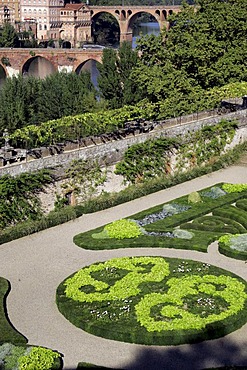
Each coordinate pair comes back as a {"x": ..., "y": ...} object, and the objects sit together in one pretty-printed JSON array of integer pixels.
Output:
[
  {"x": 123, "y": 229},
  {"x": 234, "y": 246},
  {"x": 194, "y": 197},
  {"x": 28, "y": 357}
]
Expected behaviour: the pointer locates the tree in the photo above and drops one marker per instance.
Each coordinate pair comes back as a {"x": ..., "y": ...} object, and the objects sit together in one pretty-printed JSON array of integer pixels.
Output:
[
  {"x": 8, "y": 36},
  {"x": 115, "y": 82},
  {"x": 109, "y": 79},
  {"x": 205, "y": 47}
]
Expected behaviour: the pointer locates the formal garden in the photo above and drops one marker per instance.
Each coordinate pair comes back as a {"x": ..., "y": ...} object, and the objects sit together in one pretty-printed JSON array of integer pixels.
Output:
[{"x": 137, "y": 300}]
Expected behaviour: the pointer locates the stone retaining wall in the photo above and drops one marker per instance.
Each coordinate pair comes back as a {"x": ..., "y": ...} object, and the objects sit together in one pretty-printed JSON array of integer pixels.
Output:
[{"x": 112, "y": 152}]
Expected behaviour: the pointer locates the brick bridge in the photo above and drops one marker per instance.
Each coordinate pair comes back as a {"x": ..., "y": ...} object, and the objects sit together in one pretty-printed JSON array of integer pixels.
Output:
[
  {"x": 41, "y": 62},
  {"x": 20, "y": 61},
  {"x": 126, "y": 16}
]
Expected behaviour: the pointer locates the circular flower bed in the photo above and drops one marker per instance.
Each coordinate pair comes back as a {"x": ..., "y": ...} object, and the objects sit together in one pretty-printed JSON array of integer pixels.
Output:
[{"x": 154, "y": 300}]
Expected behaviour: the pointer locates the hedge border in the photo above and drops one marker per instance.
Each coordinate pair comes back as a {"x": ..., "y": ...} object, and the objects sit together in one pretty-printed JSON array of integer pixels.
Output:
[
  {"x": 199, "y": 242},
  {"x": 232, "y": 253},
  {"x": 7, "y": 333}
]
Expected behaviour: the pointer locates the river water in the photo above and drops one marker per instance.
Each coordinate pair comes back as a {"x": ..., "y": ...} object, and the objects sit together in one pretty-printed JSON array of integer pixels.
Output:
[{"x": 145, "y": 29}]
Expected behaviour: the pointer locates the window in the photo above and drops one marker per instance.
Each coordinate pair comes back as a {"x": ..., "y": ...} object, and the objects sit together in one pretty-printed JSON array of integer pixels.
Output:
[
  {"x": 45, "y": 27},
  {"x": 40, "y": 27}
]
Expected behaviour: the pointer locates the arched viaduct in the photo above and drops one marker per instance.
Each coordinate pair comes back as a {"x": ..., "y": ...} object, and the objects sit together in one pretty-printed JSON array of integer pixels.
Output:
[
  {"x": 126, "y": 16},
  {"x": 17, "y": 61}
]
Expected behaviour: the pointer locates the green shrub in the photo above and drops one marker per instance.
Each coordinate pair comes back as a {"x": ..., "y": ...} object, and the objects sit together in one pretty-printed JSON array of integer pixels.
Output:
[
  {"x": 122, "y": 229},
  {"x": 28, "y": 357},
  {"x": 38, "y": 358},
  {"x": 194, "y": 197},
  {"x": 234, "y": 246}
]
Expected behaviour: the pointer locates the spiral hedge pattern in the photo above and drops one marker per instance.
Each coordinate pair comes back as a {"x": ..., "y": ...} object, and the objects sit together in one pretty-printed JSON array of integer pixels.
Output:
[{"x": 154, "y": 300}]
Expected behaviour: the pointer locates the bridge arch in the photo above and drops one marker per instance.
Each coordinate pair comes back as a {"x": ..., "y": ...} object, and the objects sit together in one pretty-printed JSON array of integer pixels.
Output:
[
  {"x": 114, "y": 16},
  {"x": 89, "y": 65},
  {"x": 124, "y": 13},
  {"x": 38, "y": 66},
  {"x": 133, "y": 18}
]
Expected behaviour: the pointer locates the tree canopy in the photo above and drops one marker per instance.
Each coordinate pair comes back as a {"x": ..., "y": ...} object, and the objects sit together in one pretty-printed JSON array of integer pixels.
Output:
[
  {"x": 115, "y": 82},
  {"x": 205, "y": 47},
  {"x": 8, "y": 36}
]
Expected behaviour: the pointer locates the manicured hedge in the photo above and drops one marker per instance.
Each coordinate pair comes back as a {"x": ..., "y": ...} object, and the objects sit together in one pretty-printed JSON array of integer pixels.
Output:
[
  {"x": 204, "y": 228},
  {"x": 229, "y": 252},
  {"x": 7, "y": 332},
  {"x": 137, "y": 300}
]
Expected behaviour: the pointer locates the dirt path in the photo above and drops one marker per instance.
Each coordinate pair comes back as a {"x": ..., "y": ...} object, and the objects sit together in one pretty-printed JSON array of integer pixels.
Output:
[{"x": 35, "y": 266}]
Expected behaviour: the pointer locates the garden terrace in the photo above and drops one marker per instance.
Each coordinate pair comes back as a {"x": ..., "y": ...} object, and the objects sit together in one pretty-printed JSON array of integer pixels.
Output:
[{"x": 205, "y": 220}]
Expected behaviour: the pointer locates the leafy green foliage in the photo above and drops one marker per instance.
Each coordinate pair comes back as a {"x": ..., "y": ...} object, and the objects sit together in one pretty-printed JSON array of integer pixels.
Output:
[
  {"x": 233, "y": 188},
  {"x": 130, "y": 299},
  {"x": 146, "y": 160},
  {"x": 18, "y": 197},
  {"x": 196, "y": 54},
  {"x": 122, "y": 229},
  {"x": 30, "y": 101},
  {"x": 153, "y": 157},
  {"x": 22, "y": 357},
  {"x": 39, "y": 358},
  {"x": 115, "y": 83},
  {"x": 8, "y": 36}
]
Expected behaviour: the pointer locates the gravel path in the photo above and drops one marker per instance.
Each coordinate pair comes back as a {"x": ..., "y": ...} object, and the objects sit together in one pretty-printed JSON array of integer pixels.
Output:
[{"x": 35, "y": 265}]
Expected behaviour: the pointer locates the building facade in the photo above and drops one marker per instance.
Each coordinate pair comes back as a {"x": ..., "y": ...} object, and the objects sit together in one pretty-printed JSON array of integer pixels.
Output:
[{"x": 58, "y": 21}]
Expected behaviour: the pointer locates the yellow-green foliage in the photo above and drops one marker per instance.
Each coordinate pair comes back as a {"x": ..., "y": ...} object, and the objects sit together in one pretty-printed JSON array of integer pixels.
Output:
[
  {"x": 194, "y": 197},
  {"x": 123, "y": 229},
  {"x": 234, "y": 188},
  {"x": 38, "y": 359}
]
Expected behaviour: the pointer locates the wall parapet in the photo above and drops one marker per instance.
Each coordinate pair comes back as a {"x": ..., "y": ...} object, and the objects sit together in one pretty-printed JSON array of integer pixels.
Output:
[{"x": 108, "y": 153}]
